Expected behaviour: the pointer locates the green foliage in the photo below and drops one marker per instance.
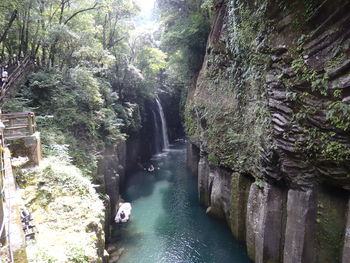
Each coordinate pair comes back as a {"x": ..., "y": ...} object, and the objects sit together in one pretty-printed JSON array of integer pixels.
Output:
[
  {"x": 60, "y": 151},
  {"x": 339, "y": 115},
  {"x": 233, "y": 140},
  {"x": 53, "y": 181},
  {"x": 187, "y": 27},
  {"x": 321, "y": 145},
  {"x": 74, "y": 107},
  {"x": 214, "y": 160},
  {"x": 94, "y": 73},
  {"x": 42, "y": 256},
  {"x": 319, "y": 82},
  {"x": 188, "y": 37},
  {"x": 192, "y": 125},
  {"x": 260, "y": 183},
  {"x": 208, "y": 5},
  {"x": 64, "y": 203},
  {"x": 331, "y": 221},
  {"x": 234, "y": 129},
  {"x": 245, "y": 29},
  {"x": 151, "y": 61},
  {"x": 77, "y": 255},
  {"x": 307, "y": 9}
]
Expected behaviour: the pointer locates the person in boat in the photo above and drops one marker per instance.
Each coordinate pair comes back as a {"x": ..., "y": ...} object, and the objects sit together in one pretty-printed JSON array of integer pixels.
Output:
[
  {"x": 122, "y": 215},
  {"x": 151, "y": 168}
]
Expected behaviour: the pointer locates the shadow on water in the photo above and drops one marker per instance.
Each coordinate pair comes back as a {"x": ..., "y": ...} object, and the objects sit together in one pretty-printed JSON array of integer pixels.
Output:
[
  {"x": 168, "y": 224},
  {"x": 140, "y": 185}
]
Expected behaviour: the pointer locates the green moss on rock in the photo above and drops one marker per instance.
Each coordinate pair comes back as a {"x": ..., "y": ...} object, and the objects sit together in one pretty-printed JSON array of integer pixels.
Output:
[
  {"x": 234, "y": 125},
  {"x": 240, "y": 186},
  {"x": 20, "y": 256},
  {"x": 331, "y": 222},
  {"x": 68, "y": 212}
]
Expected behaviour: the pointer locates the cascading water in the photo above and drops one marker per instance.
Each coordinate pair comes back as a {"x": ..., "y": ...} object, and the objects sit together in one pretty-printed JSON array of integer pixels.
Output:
[
  {"x": 157, "y": 135},
  {"x": 164, "y": 127}
]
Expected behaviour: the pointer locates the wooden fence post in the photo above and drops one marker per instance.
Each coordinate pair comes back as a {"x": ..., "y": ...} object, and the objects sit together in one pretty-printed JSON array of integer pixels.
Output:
[{"x": 30, "y": 123}]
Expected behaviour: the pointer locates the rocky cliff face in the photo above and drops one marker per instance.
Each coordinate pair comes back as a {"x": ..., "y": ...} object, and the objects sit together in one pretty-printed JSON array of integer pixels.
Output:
[
  {"x": 269, "y": 115},
  {"x": 127, "y": 156},
  {"x": 111, "y": 170}
]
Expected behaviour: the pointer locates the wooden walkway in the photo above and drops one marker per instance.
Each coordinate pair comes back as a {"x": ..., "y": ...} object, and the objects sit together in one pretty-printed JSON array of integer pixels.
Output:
[
  {"x": 13, "y": 126},
  {"x": 12, "y": 219},
  {"x": 18, "y": 124},
  {"x": 12, "y": 237},
  {"x": 17, "y": 77}
]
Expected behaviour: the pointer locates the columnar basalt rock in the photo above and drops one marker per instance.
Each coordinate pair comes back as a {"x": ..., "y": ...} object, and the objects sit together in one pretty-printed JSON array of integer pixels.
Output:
[
  {"x": 264, "y": 223},
  {"x": 121, "y": 152},
  {"x": 281, "y": 74},
  {"x": 346, "y": 248},
  {"x": 203, "y": 181},
  {"x": 270, "y": 242},
  {"x": 240, "y": 186},
  {"x": 193, "y": 155},
  {"x": 109, "y": 169},
  {"x": 220, "y": 193},
  {"x": 331, "y": 223},
  {"x": 255, "y": 206},
  {"x": 300, "y": 232}
]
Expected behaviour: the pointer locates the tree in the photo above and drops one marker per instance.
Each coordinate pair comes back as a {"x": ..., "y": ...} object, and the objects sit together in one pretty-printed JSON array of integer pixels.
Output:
[{"x": 186, "y": 28}]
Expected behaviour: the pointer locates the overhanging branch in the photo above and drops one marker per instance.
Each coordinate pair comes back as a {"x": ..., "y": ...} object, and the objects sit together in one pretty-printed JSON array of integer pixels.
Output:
[
  {"x": 78, "y": 12},
  {"x": 13, "y": 17}
]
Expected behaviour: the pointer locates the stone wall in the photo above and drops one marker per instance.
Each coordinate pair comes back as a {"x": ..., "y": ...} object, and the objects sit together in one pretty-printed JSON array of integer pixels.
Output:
[{"x": 29, "y": 146}]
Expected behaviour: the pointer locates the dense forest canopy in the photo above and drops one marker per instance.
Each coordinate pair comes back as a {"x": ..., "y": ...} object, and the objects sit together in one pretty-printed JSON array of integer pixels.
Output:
[{"x": 96, "y": 62}]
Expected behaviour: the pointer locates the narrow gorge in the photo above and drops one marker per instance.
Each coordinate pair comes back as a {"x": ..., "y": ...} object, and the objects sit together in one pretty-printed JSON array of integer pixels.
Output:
[{"x": 222, "y": 124}]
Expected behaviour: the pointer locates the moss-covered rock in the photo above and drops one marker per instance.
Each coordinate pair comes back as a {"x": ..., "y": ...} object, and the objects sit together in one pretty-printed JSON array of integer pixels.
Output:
[
  {"x": 240, "y": 186},
  {"x": 20, "y": 255},
  {"x": 272, "y": 101},
  {"x": 68, "y": 212},
  {"x": 331, "y": 222},
  {"x": 272, "y": 93}
]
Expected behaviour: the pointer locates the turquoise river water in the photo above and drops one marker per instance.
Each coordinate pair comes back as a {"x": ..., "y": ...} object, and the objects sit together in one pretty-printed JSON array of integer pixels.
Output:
[{"x": 168, "y": 225}]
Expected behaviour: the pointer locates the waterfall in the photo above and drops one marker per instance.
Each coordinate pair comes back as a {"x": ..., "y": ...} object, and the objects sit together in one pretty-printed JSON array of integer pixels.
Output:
[
  {"x": 157, "y": 137},
  {"x": 164, "y": 127}
]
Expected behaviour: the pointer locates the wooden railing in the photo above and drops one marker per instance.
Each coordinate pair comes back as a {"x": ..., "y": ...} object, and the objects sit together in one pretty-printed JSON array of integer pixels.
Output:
[
  {"x": 18, "y": 124},
  {"x": 18, "y": 73},
  {"x": 2, "y": 187}
]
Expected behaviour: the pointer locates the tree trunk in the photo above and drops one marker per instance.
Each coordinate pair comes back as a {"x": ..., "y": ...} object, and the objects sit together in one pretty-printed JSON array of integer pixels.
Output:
[{"x": 4, "y": 34}]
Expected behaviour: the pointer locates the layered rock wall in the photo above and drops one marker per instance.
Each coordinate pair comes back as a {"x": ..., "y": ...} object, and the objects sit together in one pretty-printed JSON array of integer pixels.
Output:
[
  {"x": 111, "y": 171},
  {"x": 269, "y": 117},
  {"x": 276, "y": 223}
]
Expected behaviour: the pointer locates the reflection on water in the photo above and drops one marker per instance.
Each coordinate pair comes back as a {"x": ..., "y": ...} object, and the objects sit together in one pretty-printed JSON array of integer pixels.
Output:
[{"x": 168, "y": 225}]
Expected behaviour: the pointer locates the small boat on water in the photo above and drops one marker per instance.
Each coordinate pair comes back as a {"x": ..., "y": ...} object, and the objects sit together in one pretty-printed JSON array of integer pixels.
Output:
[
  {"x": 123, "y": 214},
  {"x": 151, "y": 168}
]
